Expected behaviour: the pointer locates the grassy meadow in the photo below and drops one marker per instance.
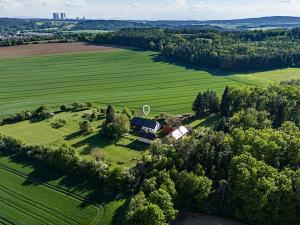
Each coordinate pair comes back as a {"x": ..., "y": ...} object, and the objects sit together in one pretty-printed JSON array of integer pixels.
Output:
[
  {"x": 122, "y": 78},
  {"x": 125, "y": 152},
  {"x": 31, "y": 193}
]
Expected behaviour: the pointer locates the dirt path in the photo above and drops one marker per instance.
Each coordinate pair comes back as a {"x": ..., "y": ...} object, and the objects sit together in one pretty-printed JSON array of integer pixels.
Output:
[
  {"x": 51, "y": 49},
  {"x": 200, "y": 219}
]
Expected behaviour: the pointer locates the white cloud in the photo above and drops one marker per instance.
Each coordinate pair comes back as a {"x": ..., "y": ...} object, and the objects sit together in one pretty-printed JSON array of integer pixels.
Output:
[
  {"x": 151, "y": 9},
  {"x": 180, "y": 3},
  {"x": 73, "y": 3}
]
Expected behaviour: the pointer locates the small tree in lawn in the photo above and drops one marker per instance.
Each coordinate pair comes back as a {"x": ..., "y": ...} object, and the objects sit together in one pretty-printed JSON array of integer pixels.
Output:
[
  {"x": 89, "y": 104},
  {"x": 110, "y": 115},
  {"x": 117, "y": 129},
  {"x": 64, "y": 108},
  {"x": 85, "y": 127}
]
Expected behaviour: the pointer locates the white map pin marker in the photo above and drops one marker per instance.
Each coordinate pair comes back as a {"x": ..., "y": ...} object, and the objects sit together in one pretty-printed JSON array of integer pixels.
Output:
[{"x": 146, "y": 109}]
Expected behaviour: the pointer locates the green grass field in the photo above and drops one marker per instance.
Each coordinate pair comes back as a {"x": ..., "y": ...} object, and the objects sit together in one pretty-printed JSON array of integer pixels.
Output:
[
  {"x": 32, "y": 194},
  {"x": 122, "y": 78},
  {"x": 89, "y": 146}
]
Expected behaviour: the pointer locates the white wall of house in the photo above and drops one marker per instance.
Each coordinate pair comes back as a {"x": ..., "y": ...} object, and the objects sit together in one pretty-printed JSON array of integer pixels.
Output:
[{"x": 148, "y": 130}]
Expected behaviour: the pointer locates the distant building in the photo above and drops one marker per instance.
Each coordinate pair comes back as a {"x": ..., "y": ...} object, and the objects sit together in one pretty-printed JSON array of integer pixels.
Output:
[
  {"x": 56, "y": 16},
  {"x": 62, "y": 16}
]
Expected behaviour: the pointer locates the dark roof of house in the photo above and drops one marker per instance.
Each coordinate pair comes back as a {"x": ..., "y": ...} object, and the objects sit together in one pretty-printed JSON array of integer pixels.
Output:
[
  {"x": 149, "y": 136},
  {"x": 142, "y": 122}
]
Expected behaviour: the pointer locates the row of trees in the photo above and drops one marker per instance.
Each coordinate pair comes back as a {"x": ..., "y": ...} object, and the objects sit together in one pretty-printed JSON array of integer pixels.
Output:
[
  {"x": 25, "y": 39},
  {"x": 41, "y": 113},
  {"x": 227, "y": 50},
  {"x": 66, "y": 158}
]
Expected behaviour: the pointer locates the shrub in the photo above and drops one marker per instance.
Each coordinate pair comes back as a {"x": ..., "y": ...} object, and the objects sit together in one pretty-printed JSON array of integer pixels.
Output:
[
  {"x": 78, "y": 105},
  {"x": 64, "y": 108},
  {"x": 89, "y": 104},
  {"x": 59, "y": 123},
  {"x": 85, "y": 127}
]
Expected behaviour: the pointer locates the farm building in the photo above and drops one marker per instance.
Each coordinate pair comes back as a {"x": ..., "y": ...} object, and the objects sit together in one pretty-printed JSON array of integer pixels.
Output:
[
  {"x": 146, "y": 128},
  {"x": 147, "y": 138},
  {"x": 179, "y": 133},
  {"x": 146, "y": 125}
]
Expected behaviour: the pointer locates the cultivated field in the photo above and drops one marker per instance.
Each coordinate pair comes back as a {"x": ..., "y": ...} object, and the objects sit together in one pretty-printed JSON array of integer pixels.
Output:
[
  {"x": 122, "y": 78},
  {"x": 32, "y": 194},
  {"x": 26, "y": 200},
  {"x": 50, "y": 49}
]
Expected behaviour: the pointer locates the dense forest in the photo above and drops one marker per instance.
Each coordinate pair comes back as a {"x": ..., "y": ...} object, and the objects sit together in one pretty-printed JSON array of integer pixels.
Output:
[
  {"x": 213, "y": 48},
  {"x": 247, "y": 167}
]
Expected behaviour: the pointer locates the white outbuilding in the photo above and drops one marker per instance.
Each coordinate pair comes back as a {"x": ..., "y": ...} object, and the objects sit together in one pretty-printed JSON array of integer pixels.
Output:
[{"x": 179, "y": 133}]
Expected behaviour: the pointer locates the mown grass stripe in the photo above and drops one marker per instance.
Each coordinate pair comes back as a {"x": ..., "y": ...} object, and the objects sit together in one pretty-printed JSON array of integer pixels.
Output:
[{"x": 123, "y": 78}]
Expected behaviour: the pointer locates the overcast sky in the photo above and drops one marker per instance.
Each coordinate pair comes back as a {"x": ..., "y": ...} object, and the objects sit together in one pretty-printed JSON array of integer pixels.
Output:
[{"x": 150, "y": 9}]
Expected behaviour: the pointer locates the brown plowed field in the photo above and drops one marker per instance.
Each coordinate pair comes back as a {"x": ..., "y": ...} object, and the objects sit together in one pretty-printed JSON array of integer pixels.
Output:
[{"x": 51, "y": 49}]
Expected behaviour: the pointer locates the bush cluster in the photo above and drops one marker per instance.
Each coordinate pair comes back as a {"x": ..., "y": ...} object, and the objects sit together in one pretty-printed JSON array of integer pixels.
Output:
[{"x": 41, "y": 113}]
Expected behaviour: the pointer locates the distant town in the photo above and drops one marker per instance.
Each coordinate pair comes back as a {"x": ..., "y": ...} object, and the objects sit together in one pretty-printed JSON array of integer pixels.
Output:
[{"x": 62, "y": 16}]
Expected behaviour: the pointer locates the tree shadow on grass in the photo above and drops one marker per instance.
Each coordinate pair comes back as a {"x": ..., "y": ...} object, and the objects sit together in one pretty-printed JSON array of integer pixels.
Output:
[
  {"x": 73, "y": 135},
  {"x": 92, "y": 142},
  {"x": 210, "y": 121},
  {"x": 41, "y": 173},
  {"x": 119, "y": 216},
  {"x": 135, "y": 145},
  {"x": 88, "y": 191},
  {"x": 215, "y": 72}
]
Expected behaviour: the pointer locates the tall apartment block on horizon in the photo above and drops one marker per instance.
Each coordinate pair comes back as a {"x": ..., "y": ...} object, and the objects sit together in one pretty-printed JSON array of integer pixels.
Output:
[
  {"x": 62, "y": 16},
  {"x": 55, "y": 16},
  {"x": 59, "y": 16}
]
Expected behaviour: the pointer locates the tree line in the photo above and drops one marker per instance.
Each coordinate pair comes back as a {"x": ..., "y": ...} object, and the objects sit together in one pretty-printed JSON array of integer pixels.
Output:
[
  {"x": 25, "y": 39},
  {"x": 66, "y": 159},
  {"x": 211, "y": 48}
]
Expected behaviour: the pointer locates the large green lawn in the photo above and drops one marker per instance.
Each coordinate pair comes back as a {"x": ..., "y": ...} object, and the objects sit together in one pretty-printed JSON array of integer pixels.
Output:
[
  {"x": 122, "y": 78},
  {"x": 34, "y": 194},
  {"x": 126, "y": 151}
]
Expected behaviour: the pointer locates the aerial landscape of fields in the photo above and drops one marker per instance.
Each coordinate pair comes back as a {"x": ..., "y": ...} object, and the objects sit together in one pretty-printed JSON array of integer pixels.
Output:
[
  {"x": 27, "y": 82},
  {"x": 149, "y": 122}
]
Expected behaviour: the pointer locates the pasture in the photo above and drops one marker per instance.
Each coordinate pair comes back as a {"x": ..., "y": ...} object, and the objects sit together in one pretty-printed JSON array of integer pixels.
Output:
[
  {"x": 122, "y": 78},
  {"x": 30, "y": 193},
  {"x": 125, "y": 152}
]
